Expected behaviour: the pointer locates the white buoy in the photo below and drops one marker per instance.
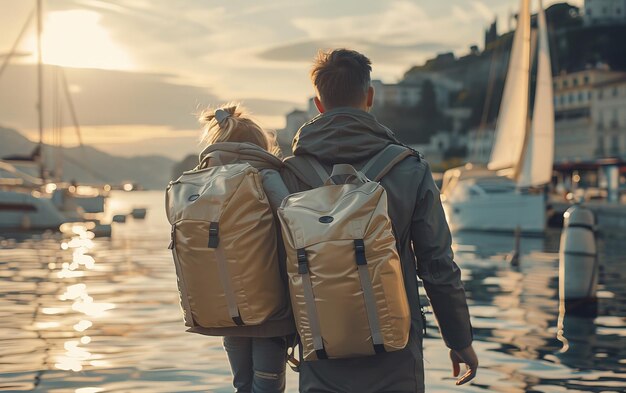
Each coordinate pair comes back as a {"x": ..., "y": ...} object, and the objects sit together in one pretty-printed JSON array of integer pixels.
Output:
[{"x": 578, "y": 258}]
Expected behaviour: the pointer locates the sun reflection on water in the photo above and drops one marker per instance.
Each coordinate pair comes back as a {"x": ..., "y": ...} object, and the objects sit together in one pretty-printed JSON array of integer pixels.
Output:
[{"x": 76, "y": 355}]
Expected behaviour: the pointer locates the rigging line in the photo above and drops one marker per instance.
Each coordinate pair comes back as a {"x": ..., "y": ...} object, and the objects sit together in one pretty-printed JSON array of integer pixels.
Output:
[
  {"x": 58, "y": 126},
  {"x": 70, "y": 104},
  {"x": 40, "y": 82},
  {"x": 16, "y": 43}
]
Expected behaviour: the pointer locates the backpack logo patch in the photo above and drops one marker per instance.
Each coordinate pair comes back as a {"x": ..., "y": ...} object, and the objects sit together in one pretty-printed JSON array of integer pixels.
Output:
[
  {"x": 326, "y": 219},
  {"x": 193, "y": 197}
]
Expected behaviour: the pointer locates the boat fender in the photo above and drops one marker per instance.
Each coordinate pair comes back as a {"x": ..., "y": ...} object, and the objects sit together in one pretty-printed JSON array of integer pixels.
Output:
[{"x": 578, "y": 257}]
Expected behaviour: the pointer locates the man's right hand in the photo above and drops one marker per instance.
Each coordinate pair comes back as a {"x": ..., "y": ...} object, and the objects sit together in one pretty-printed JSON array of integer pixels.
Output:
[{"x": 467, "y": 356}]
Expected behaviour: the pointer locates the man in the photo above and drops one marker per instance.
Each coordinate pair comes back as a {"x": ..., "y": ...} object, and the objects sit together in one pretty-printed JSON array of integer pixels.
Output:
[{"x": 345, "y": 132}]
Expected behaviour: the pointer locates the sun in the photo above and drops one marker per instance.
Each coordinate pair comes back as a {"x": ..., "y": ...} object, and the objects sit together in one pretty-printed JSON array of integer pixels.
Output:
[{"x": 76, "y": 38}]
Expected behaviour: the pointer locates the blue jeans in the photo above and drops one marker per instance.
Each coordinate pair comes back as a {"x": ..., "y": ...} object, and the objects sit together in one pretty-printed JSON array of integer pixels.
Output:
[{"x": 257, "y": 363}]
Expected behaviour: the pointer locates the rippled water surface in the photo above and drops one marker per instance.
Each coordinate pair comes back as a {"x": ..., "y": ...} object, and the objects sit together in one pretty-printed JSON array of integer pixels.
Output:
[{"x": 96, "y": 315}]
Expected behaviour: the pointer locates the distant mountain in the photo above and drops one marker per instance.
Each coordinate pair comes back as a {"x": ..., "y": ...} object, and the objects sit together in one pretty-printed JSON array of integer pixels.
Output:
[
  {"x": 186, "y": 164},
  {"x": 90, "y": 165}
]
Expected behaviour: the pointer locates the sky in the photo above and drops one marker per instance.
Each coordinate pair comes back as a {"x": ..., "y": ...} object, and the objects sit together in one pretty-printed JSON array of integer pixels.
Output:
[{"x": 139, "y": 70}]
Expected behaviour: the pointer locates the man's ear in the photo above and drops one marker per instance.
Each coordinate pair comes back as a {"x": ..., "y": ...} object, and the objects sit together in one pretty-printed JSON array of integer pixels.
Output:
[
  {"x": 319, "y": 105},
  {"x": 370, "y": 97}
]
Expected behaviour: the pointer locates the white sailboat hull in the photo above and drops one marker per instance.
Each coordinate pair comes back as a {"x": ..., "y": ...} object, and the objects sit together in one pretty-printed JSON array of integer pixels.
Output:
[
  {"x": 23, "y": 211},
  {"x": 477, "y": 199},
  {"x": 499, "y": 213}
]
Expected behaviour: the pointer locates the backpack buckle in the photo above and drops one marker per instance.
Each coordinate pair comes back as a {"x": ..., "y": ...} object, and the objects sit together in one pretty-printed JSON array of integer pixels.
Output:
[
  {"x": 359, "y": 252},
  {"x": 214, "y": 232},
  {"x": 302, "y": 261}
]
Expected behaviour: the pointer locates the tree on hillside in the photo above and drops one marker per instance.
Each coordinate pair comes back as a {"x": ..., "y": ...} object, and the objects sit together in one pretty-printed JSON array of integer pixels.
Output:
[{"x": 431, "y": 119}]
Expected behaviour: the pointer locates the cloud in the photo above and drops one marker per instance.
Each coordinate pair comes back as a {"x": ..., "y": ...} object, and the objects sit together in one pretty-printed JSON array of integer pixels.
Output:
[
  {"x": 111, "y": 98},
  {"x": 305, "y": 51}
]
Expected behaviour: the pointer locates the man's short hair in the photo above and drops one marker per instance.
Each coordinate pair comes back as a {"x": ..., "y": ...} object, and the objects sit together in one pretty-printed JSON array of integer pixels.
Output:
[{"x": 341, "y": 77}]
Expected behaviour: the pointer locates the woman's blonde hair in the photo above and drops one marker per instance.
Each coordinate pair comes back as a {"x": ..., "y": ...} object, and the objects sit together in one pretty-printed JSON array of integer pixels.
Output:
[{"x": 235, "y": 126}]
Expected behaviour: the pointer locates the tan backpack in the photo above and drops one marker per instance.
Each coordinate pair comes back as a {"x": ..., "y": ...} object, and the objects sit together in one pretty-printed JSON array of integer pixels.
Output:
[
  {"x": 224, "y": 247},
  {"x": 345, "y": 278}
]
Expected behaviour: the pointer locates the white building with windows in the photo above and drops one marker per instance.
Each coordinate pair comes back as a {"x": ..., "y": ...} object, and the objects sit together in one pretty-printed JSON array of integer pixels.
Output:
[
  {"x": 408, "y": 92},
  {"x": 609, "y": 117},
  {"x": 294, "y": 120},
  {"x": 575, "y": 97},
  {"x": 396, "y": 94},
  {"x": 479, "y": 145},
  {"x": 605, "y": 12}
]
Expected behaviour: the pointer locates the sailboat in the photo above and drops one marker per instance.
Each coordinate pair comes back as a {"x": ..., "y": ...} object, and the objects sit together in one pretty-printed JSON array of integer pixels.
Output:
[
  {"x": 507, "y": 194},
  {"x": 34, "y": 202}
]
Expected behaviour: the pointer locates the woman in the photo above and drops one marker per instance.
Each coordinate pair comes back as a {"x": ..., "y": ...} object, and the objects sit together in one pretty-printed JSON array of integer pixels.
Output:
[{"x": 257, "y": 354}]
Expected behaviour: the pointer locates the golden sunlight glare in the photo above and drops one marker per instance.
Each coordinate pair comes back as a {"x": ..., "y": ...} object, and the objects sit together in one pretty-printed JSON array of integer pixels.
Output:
[{"x": 77, "y": 39}]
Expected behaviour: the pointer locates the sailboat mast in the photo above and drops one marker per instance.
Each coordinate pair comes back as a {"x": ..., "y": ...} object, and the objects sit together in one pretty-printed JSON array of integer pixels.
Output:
[{"x": 40, "y": 90}]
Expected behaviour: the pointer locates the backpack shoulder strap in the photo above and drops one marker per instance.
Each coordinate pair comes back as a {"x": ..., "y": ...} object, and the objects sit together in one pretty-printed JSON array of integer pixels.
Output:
[
  {"x": 382, "y": 162},
  {"x": 307, "y": 169}
]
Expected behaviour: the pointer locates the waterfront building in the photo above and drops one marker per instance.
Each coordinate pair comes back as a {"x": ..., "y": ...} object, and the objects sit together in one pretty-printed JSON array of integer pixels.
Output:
[
  {"x": 479, "y": 144},
  {"x": 609, "y": 117},
  {"x": 575, "y": 99},
  {"x": 396, "y": 94},
  {"x": 408, "y": 92},
  {"x": 293, "y": 121},
  {"x": 434, "y": 151},
  {"x": 604, "y": 12}
]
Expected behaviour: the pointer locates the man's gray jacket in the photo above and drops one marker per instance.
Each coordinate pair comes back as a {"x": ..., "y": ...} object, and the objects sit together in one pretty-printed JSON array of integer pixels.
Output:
[{"x": 352, "y": 136}]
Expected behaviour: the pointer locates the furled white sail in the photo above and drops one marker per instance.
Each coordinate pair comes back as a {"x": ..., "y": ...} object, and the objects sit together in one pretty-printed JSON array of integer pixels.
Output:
[
  {"x": 538, "y": 158},
  {"x": 512, "y": 120}
]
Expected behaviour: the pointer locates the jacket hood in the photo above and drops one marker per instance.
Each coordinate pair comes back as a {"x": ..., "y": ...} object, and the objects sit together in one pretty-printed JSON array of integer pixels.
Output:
[
  {"x": 342, "y": 134},
  {"x": 225, "y": 153}
]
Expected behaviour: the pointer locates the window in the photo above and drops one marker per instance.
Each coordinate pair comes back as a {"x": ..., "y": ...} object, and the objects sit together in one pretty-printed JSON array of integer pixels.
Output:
[
  {"x": 589, "y": 95},
  {"x": 600, "y": 95},
  {"x": 571, "y": 98},
  {"x": 615, "y": 92},
  {"x": 615, "y": 145},
  {"x": 586, "y": 79},
  {"x": 581, "y": 98},
  {"x": 600, "y": 148},
  {"x": 562, "y": 99},
  {"x": 575, "y": 80},
  {"x": 554, "y": 85},
  {"x": 565, "y": 84},
  {"x": 601, "y": 121}
]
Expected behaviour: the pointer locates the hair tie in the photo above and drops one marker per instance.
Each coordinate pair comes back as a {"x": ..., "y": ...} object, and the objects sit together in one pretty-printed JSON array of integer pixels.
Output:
[{"x": 221, "y": 115}]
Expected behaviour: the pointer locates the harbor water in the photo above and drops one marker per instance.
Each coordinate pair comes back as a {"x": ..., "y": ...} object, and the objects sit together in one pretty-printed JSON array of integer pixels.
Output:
[{"x": 87, "y": 315}]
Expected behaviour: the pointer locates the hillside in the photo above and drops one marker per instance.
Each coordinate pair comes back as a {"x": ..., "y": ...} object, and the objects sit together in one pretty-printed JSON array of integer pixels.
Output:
[
  {"x": 573, "y": 47},
  {"x": 90, "y": 165}
]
